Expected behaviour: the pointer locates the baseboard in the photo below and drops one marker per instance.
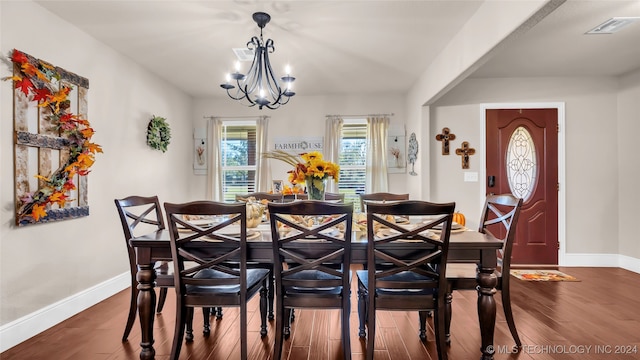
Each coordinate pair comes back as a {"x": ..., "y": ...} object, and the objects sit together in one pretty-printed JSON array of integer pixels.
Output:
[
  {"x": 602, "y": 260},
  {"x": 17, "y": 331}
]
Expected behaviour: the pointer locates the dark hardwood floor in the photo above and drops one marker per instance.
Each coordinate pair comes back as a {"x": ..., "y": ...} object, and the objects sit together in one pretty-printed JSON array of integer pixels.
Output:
[{"x": 597, "y": 318}]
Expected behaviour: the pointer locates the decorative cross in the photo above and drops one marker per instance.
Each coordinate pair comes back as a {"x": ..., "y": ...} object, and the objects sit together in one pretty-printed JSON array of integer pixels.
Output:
[
  {"x": 445, "y": 137},
  {"x": 465, "y": 151}
]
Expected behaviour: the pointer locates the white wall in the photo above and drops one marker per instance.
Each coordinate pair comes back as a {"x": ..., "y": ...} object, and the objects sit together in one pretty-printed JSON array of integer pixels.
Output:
[
  {"x": 594, "y": 117},
  {"x": 304, "y": 116},
  {"x": 629, "y": 164},
  {"x": 44, "y": 264}
]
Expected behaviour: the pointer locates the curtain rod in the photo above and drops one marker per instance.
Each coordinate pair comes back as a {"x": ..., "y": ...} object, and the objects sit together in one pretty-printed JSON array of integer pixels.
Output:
[
  {"x": 235, "y": 117},
  {"x": 360, "y": 115}
]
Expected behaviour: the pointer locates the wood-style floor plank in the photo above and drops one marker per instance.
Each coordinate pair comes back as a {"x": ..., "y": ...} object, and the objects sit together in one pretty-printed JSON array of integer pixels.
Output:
[{"x": 556, "y": 321}]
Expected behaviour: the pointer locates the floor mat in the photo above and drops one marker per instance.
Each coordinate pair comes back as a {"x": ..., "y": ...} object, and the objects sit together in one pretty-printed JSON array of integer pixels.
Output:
[{"x": 542, "y": 275}]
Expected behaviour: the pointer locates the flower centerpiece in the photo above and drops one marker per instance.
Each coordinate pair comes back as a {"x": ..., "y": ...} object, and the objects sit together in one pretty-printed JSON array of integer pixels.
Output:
[{"x": 308, "y": 168}]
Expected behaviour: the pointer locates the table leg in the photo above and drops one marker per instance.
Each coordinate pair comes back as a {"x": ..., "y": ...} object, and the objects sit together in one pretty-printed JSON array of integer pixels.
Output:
[
  {"x": 146, "y": 305},
  {"x": 487, "y": 282}
]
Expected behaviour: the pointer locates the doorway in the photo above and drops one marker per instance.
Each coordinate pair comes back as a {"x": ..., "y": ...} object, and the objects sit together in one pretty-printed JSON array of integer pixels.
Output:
[{"x": 524, "y": 151}]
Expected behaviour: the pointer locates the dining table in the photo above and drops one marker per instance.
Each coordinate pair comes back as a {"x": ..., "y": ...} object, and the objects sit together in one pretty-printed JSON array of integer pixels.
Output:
[{"x": 464, "y": 246}]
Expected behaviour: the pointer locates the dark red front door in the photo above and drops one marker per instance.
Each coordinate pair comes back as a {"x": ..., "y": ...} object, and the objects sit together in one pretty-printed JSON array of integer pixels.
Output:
[{"x": 522, "y": 159}]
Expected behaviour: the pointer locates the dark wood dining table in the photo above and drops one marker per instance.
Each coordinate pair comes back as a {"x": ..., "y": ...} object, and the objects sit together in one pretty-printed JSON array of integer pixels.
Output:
[{"x": 465, "y": 246}]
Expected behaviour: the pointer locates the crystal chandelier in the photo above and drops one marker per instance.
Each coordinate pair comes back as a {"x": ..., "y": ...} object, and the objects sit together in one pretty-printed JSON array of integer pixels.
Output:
[{"x": 259, "y": 86}]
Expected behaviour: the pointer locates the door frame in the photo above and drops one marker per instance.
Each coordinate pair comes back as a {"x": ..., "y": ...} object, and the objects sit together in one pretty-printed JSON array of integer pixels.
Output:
[{"x": 561, "y": 161}]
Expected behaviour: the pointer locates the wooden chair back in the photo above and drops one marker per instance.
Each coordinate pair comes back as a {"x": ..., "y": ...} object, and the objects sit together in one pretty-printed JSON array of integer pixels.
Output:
[
  {"x": 380, "y": 196},
  {"x": 413, "y": 278},
  {"x": 226, "y": 239},
  {"x": 209, "y": 252},
  {"x": 141, "y": 215},
  {"x": 334, "y": 196},
  {"x": 260, "y": 196},
  {"x": 499, "y": 218},
  {"x": 312, "y": 258},
  {"x": 423, "y": 266}
]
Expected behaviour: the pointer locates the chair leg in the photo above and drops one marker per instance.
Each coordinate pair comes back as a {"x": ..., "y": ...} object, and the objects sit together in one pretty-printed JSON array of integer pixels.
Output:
[
  {"x": 362, "y": 311},
  {"x": 178, "y": 333},
  {"x": 161, "y": 299},
  {"x": 206, "y": 327},
  {"x": 448, "y": 312},
  {"x": 288, "y": 315},
  {"x": 280, "y": 321},
  {"x": 133, "y": 310},
  {"x": 243, "y": 329},
  {"x": 346, "y": 337},
  {"x": 218, "y": 312},
  {"x": 371, "y": 330},
  {"x": 508, "y": 313},
  {"x": 423, "y": 325},
  {"x": 271, "y": 294},
  {"x": 263, "y": 310},
  {"x": 189, "y": 321},
  {"x": 438, "y": 324}
]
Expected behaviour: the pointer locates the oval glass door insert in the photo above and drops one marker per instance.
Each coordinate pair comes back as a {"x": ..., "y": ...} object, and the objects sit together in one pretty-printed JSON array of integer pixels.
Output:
[{"x": 521, "y": 163}]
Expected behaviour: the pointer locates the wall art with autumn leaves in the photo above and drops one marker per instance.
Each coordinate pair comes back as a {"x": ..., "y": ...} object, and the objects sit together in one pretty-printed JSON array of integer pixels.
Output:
[{"x": 52, "y": 139}]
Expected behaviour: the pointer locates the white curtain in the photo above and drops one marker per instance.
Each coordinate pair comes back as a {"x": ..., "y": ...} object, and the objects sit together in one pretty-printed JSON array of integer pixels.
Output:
[
  {"x": 214, "y": 175},
  {"x": 377, "y": 130},
  {"x": 332, "y": 145},
  {"x": 263, "y": 170}
]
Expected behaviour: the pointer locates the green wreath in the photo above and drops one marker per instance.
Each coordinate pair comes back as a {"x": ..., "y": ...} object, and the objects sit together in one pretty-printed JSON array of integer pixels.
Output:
[{"x": 158, "y": 133}]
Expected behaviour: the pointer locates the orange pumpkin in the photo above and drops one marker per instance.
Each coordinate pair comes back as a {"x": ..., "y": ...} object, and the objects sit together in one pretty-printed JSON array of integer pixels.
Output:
[{"x": 459, "y": 218}]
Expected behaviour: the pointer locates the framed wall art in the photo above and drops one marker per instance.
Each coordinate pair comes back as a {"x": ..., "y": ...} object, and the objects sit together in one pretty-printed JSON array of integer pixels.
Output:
[
  {"x": 52, "y": 139},
  {"x": 396, "y": 148},
  {"x": 200, "y": 152},
  {"x": 277, "y": 186}
]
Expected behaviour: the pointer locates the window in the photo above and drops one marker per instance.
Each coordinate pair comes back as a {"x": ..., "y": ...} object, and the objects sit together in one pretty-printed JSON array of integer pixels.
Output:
[
  {"x": 238, "y": 158},
  {"x": 353, "y": 155}
]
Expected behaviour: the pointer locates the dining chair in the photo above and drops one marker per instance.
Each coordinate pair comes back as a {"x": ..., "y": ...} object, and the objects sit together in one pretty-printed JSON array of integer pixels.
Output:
[
  {"x": 141, "y": 215},
  {"x": 270, "y": 198},
  {"x": 327, "y": 196},
  {"x": 380, "y": 196},
  {"x": 499, "y": 218},
  {"x": 409, "y": 280},
  {"x": 202, "y": 275},
  {"x": 309, "y": 239},
  {"x": 260, "y": 196},
  {"x": 334, "y": 196}
]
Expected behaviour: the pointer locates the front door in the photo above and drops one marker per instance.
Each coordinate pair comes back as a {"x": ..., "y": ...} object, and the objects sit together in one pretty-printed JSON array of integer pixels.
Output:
[{"x": 522, "y": 159}]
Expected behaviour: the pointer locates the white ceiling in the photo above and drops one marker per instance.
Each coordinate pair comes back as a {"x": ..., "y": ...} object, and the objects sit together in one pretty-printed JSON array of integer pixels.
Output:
[{"x": 346, "y": 46}]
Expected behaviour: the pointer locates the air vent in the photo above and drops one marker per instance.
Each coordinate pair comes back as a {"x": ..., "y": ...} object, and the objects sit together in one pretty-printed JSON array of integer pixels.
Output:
[
  {"x": 613, "y": 25},
  {"x": 243, "y": 54}
]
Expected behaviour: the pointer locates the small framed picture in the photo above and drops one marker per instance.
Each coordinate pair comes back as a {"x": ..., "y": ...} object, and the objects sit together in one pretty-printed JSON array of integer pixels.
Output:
[{"x": 277, "y": 186}]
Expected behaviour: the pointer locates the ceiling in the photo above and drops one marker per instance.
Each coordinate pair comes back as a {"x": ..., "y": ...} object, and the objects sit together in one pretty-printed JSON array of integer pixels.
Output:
[{"x": 338, "y": 47}]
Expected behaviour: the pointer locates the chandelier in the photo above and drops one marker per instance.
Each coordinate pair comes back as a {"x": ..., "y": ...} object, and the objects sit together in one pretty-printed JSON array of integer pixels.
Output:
[{"x": 259, "y": 86}]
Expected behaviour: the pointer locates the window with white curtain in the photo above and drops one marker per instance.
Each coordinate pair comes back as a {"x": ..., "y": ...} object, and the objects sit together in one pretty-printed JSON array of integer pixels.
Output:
[
  {"x": 238, "y": 158},
  {"x": 353, "y": 155}
]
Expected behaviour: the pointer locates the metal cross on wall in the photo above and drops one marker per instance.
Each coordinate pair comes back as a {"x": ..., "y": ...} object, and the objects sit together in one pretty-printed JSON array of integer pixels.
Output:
[
  {"x": 445, "y": 137},
  {"x": 465, "y": 151}
]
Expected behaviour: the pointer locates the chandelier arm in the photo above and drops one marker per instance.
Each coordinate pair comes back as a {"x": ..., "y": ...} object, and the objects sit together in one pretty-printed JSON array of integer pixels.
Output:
[
  {"x": 272, "y": 83},
  {"x": 246, "y": 96},
  {"x": 235, "y": 97},
  {"x": 260, "y": 76}
]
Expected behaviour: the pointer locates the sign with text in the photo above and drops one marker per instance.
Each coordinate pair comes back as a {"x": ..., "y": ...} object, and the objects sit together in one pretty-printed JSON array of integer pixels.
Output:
[{"x": 299, "y": 145}]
